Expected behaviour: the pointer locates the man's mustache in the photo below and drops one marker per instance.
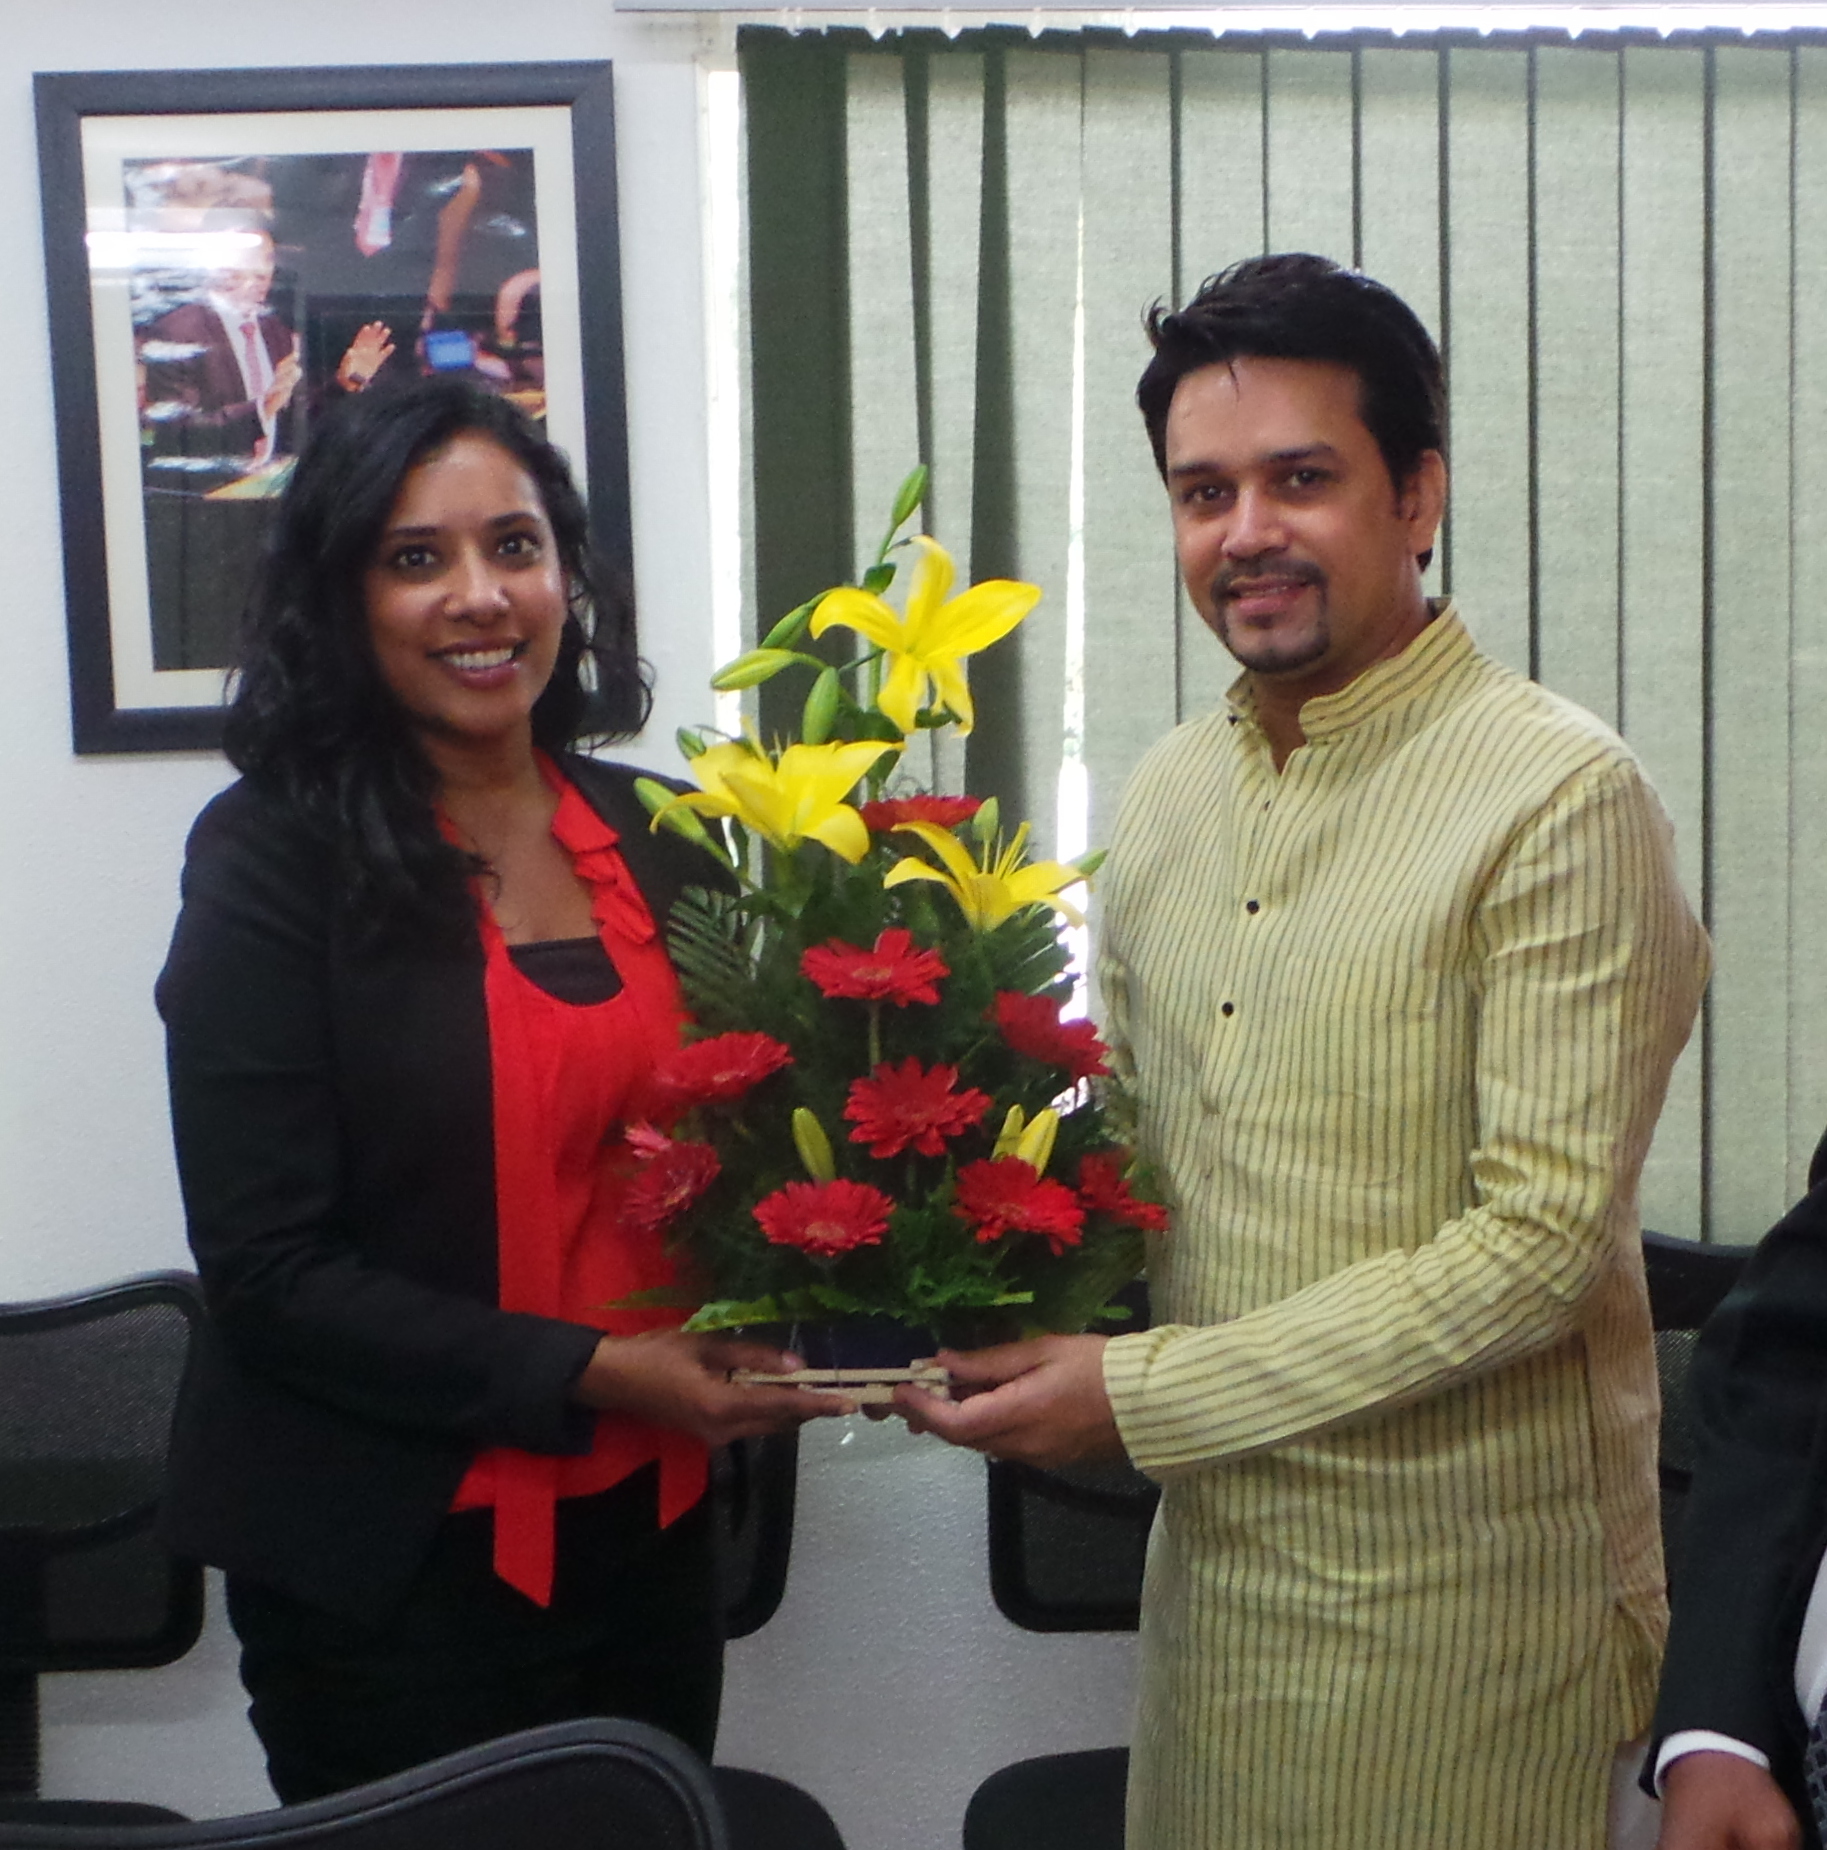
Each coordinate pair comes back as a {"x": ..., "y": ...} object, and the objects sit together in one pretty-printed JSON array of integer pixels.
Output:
[{"x": 1248, "y": 571}]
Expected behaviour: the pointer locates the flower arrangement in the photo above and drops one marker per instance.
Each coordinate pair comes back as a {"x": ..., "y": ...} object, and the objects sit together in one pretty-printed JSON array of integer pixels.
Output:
[{"x": 885, "y": 1112}]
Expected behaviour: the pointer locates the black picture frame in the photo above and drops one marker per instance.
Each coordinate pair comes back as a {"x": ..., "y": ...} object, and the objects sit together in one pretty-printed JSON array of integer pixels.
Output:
[{"x": 312, "y": 110}]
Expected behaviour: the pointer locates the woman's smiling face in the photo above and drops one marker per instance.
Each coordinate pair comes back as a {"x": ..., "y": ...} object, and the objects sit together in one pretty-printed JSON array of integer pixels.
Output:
[{"x": 466, "y": 596}]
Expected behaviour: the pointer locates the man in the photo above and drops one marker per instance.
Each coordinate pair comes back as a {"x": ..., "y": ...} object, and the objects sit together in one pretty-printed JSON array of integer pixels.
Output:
[
  {"x": 221, "y": 370},
  {"x": 1747, "y": 1655},
  {"x": 1395, "y": 959}
]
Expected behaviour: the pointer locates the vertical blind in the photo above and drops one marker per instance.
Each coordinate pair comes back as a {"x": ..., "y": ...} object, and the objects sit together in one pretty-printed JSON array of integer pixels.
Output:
[{"x": 1622, "y": 249}]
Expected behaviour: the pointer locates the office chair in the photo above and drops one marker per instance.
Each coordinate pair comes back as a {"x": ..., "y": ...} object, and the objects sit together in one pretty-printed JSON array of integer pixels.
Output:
[
  {"x": 87, "y": 1386},
  {"x": 585, "y": 1785}
]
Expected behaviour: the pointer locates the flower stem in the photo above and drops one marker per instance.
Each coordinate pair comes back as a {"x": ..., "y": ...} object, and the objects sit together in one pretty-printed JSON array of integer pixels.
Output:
[{"x": 875, "y": 1035}]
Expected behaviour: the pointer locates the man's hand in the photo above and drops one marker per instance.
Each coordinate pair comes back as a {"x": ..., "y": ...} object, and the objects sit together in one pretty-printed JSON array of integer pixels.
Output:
[
  {"x": 286, "y": 376},
  {"x": 1040, "y": 1402},
  {"x": 678, "y": 1380},
  {"x": 1713, "y": 1801}
]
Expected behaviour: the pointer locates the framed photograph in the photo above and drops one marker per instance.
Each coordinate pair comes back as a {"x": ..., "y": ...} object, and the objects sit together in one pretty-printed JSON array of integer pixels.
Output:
[{"x": 227, "y": 253}]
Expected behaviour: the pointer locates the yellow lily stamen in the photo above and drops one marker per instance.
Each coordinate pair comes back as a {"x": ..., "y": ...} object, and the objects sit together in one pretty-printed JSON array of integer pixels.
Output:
[
  {"x": 926, "y": 649},
  {"x": 796, "y": 797},
  {"x": 994, "y": 888}
]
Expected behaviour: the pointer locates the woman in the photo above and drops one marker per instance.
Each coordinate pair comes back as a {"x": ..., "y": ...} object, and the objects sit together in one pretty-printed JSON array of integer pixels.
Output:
[{"x": 414, "y": 997}]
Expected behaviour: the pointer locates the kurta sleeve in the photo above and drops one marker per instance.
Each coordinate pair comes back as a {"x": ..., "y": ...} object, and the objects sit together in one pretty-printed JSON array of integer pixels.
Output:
[
  {"x": 262, "y": 1132},
  {"x": 1589, "y": 967}
]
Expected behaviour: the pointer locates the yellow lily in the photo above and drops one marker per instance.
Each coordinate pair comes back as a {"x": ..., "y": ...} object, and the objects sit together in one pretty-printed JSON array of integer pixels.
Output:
[
  {"x": 798, "y": 796},
  {"x": 992, "y": 889},
  {"x": 927, "y": 650}
]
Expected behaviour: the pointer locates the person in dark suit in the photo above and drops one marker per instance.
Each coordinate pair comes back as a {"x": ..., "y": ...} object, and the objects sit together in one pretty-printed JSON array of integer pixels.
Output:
[
  {"x": 415, "y": 1001},
  {"x": 1748, "y": 1637},
  {"x": 221, "y": 370}
]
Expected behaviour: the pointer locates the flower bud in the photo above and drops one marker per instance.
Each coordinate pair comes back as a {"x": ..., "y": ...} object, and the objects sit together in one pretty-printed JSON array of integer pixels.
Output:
[
  {"x": 752, "y": 669},
  {"x": 821, "y": 707},
  {"x": 1035, "y": 1146},
  {"x": 909, "y": 496},
  {"x": 986, "y": 822},
  {"x": 1010, "y": 1134},
  {"x": 813, "y": 1145},
  {"x": 792, "y": 626}
]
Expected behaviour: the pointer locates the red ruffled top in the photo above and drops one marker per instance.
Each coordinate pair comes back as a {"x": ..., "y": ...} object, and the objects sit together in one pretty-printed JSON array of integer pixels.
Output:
[{"x": 567, "y": 1079}]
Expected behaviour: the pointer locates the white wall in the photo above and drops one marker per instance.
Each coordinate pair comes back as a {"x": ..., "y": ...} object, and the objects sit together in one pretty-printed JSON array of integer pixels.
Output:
[{"x": 888, "y": 1685}]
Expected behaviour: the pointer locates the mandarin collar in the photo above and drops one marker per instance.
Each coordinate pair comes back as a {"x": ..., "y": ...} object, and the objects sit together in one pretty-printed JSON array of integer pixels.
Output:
[{"x": 1443, "y": 646}]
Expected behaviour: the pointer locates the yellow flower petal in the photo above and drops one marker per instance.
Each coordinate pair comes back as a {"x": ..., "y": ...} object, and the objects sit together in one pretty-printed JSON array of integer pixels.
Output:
[
  {"x": 863, "y": 612},
  {"x": 930, "y": 585},
  {"x": 954, "y": 692},
  {"x": 904, "y": 692},
  {"x": 944, "y": 844},
  {"x": 843, "y": 832},
  {"x": 982, "y": 615}
]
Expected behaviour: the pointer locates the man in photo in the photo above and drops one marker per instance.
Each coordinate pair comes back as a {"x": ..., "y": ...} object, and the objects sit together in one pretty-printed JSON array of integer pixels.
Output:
[{"x": 221, "y": 370}]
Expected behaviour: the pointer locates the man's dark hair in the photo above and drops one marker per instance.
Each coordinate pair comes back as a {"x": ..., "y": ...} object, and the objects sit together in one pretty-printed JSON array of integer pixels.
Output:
[
  {"x": 311, "y": 719},
  {"x": 1298, "y": 307}
]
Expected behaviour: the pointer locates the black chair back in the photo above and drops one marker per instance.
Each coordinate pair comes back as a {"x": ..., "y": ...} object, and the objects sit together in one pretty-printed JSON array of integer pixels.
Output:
[
  {"x": 1687, "y": 1280},
  {"x": 1066, "y": 1547},
  {"x": 588, "y": 1785},
  {"x": 87, "y": 1387},
  {"x": 752, "y": 1487}
]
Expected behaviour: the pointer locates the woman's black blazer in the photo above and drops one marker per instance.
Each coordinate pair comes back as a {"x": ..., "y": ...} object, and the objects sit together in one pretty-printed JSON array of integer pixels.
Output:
[{"x": 333, "y": 1117}]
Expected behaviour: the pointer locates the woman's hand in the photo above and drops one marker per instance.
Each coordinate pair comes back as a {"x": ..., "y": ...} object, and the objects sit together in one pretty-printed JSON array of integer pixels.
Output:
[{"x": 678, "y": 1380}]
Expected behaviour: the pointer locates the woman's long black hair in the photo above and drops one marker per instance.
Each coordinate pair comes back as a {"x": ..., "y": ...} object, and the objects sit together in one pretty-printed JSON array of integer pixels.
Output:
[{"x": 310, "y": 718}]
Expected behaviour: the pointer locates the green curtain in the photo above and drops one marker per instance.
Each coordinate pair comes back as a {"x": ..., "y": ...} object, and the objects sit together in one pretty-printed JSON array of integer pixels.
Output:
[{"x": 1621, "y": 247}]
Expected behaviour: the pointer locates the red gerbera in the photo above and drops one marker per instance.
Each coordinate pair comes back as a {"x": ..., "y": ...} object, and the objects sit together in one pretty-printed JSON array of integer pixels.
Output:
[
  {"x": 725, "y": 1066},
  {"x": 1004, "y": 1195},
  {"x": 1104, "y": 1190},
  {"x": 942, "y": 812},
  {"x": 1031, "y": 1025},
  {"x": 671, "y": 1177},
  {"x": 825, "y": 1218},
  {"x": 907, "y": 1107},
  {"x": 893, "y": 972}
]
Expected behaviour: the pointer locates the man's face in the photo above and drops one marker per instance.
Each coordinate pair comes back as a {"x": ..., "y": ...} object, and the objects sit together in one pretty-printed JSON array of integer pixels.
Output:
[
  {"x": 246, "y": 281},
  {"x": 1297, "y": 548}
]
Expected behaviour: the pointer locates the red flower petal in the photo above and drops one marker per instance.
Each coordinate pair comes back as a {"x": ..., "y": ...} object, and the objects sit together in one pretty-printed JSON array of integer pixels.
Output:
[
  {"x": 1103, "y": 1189},
  {"x": 942, "y": 812},
  {"x": 669, "y": 1180},
  {"x": 825, "y": 1218},
  {"x": 725, "y": 1066},
  {"x": 893, "y": 972},
  {"x": 1004, "y": 1195},
  {"x": 911, "y": 1107},
  {"x": 1031, "y": 1025}
]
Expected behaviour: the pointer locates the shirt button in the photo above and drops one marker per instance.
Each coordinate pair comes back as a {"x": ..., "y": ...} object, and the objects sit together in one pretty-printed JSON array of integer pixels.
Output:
[
  {"x": 1227, "y": 1008},
  {"x": 1251, "y": 905}
]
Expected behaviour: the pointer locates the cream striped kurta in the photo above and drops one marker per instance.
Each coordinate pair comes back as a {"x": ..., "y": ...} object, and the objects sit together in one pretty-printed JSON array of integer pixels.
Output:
[{"x": 1399, "y": 1020}]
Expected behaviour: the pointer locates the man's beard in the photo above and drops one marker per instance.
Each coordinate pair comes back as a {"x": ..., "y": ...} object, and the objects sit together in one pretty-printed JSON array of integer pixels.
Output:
[{"x": 1265, "y": 652}]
